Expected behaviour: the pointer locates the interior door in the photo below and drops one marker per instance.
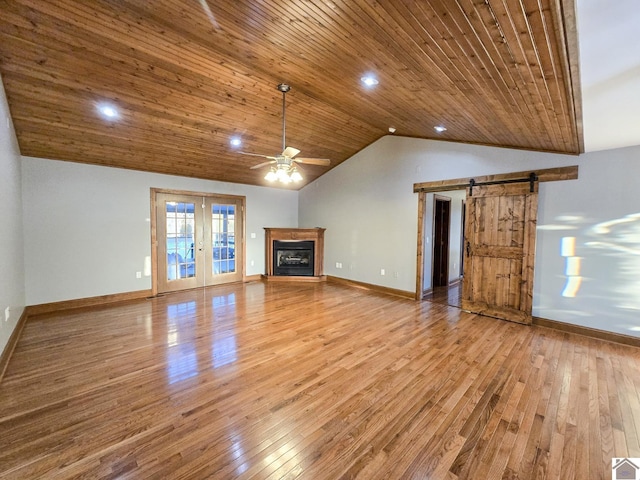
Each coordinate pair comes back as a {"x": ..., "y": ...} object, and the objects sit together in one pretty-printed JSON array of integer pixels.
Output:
[
  {"x": 500, "y": 234},
  {"x": 441, "y": 221},
  {"x": 179, "y": 230},
  {"x": 199, "y": 240}
]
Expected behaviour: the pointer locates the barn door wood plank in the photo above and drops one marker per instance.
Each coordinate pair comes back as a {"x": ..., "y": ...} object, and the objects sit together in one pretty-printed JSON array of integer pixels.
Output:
[{"x": 499, "y": 251}]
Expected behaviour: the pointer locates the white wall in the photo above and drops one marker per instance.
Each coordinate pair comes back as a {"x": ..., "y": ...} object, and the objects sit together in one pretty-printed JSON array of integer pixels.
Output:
[
  {"x": 87, "y": 228},
  {"x": 601, "y": 211},
  {"x": 12, "y": 289},
  {"x": 370, "y": 213},
  {"x": 369, "y": 209}
]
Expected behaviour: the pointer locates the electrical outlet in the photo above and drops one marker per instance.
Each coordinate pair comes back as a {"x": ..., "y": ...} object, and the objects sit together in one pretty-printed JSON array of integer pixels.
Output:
[
  {"x": 252, "y": 263},
  {"x": 7, "y": 314},
  {"x": 138, "y": 274},
  {"x": 396, "y": 274},
  {"x": 382, "y": 272},
  {"x": 338, "y": 265},
  {"x": 253, "y": 235}
]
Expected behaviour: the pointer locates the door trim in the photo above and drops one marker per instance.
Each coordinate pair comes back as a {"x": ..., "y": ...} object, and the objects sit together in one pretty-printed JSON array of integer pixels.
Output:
[{"x": 154, "y": 234}]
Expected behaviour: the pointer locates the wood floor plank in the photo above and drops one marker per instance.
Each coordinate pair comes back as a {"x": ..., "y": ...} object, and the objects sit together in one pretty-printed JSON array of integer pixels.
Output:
[
  {"x": 310, "y": 381},
  {"x": 626, "y": 405}
]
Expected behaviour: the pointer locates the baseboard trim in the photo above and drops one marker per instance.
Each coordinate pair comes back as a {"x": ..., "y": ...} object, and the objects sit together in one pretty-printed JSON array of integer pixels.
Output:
[
  {"x": 587, "y": 331},
  {"x": 11, "y": 344},
  {"x": 103, "y": 300},
  {"x": 369, "y": 286},
  {"x": 294, "y": 278},
  {"x": 87, "y": 302}
]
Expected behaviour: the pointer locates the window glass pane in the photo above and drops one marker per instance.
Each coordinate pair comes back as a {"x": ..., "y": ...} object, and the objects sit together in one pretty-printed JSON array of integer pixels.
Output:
[{"x": 180, "y": 240}]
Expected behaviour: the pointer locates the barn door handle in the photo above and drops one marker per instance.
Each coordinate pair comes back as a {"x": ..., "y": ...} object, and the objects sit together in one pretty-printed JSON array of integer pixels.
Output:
[{"x": 468, "y": 248}]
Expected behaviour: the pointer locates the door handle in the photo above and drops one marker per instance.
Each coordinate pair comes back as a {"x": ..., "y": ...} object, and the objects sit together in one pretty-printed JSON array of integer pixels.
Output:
[{"x": 468, "y": 248}]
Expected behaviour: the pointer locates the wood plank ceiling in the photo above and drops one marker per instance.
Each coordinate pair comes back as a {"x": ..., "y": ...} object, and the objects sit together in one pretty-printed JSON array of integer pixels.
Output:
[{"x": 186, "y": 76}]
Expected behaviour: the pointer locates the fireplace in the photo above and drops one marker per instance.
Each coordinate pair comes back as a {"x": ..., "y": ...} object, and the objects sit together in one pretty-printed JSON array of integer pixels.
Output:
[
  {"x": 294, "y": 254},
  {"x": 293, "y": 258}
]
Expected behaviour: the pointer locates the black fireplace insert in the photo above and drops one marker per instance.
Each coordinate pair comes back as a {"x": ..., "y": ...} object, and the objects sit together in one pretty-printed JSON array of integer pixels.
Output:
[{"x": 293, "y": 258}]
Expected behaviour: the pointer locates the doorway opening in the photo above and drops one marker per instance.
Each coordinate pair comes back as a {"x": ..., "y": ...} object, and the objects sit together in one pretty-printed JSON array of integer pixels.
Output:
[
  {"x": 442, "y": 254},
  {"x": 441, "y": 226}
]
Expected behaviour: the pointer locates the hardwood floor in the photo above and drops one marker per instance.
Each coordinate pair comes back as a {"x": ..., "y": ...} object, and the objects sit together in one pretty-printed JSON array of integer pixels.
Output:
[
  {"x": 449, "y": 295},
  {"x": 313, "y": 381}
]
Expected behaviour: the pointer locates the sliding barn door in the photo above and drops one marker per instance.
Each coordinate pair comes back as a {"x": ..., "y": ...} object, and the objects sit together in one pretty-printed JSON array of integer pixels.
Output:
[{"x": 500, "y": 234}]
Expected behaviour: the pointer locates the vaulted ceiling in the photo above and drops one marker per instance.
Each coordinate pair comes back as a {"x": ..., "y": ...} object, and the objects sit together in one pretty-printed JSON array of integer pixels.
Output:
[{"x": 187, "y": 76}]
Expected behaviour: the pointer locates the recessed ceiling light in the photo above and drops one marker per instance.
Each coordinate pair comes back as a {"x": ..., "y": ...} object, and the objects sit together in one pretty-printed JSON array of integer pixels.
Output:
[
  {"x": 369, "y": 80},
  {"x": 235, "y": 141},
  {"x": 440, "y": 129},
  {"x": 108, "y": 111}
]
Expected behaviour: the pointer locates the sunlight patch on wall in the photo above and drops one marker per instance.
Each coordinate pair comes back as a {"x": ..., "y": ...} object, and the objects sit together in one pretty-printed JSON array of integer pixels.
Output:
[{"x": 572, "y": 267}]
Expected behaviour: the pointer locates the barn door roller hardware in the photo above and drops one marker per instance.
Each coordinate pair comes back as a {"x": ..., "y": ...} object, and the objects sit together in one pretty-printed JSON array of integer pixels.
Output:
[{"x": 532, "y": 179}]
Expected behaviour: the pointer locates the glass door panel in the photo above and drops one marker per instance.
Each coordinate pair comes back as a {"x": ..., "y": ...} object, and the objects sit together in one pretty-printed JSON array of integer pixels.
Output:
[
  {"x": 223, "y": 238},
  {"x": 181, "y": 262}
]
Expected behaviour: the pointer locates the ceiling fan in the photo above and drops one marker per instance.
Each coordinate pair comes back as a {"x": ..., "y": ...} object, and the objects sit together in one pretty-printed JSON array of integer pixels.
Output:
[{"x": 284, "y": 165}]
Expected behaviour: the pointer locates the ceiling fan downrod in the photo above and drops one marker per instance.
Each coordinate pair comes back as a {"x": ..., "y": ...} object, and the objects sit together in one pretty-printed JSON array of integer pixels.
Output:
[{"x": 284, "y": 88}]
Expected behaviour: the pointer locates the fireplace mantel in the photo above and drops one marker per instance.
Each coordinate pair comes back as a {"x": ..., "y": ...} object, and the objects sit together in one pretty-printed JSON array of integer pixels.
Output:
[{"x": 295, "y": 235}]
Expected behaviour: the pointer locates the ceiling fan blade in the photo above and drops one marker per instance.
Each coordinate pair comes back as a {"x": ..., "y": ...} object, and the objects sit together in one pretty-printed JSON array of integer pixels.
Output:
[
  {"x": 257, "y": 155},
  {"x": 290, "y": 152},
  {"x": 325, "y": 162},
  {"x": 263, "y": 164}
]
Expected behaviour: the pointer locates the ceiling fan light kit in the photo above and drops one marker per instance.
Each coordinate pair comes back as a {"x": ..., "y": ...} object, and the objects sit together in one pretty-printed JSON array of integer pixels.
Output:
[
  {"x": 284, "y": 169},
  {"x": 283, "y": 174}
]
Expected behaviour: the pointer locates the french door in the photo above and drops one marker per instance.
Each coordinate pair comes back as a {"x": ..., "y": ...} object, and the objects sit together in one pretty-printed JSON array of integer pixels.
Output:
[
  {"x": 199, "y": 240},
  {"x": 499, "y": 247}
]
